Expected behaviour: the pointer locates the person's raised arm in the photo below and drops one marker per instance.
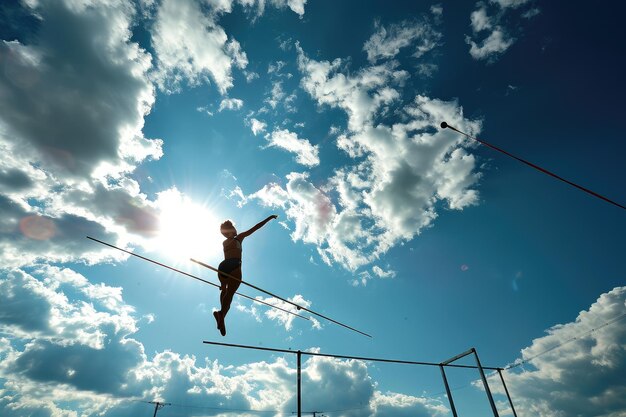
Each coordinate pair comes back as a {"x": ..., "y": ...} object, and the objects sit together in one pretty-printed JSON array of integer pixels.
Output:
[{"x": 241, "y": 236}]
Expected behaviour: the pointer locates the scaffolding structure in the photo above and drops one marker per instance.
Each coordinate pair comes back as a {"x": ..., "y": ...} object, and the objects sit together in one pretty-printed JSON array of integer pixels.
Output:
[{"x": 442, "y": 365}]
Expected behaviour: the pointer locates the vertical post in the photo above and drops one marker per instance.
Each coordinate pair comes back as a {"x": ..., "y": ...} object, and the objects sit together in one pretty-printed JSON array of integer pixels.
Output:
[
  {"x": 445, "y": 382},
  {"x": 487, "y": 390},
  {"x": 158, "y": 406},
  {"x": 507, "y": 393},
  {"x": 299, "y": 383}
]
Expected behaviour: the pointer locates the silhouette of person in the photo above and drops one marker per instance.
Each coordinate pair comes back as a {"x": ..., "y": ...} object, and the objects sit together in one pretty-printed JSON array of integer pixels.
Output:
[{"x": 232, "y": 266}]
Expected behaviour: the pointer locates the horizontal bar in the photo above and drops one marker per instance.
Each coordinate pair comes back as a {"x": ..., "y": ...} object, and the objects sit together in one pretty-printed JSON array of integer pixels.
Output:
[
  {"x": 361, "y": 358},
  {"x": 193, "y": 276},
  {"x": 299, "y": 307}
]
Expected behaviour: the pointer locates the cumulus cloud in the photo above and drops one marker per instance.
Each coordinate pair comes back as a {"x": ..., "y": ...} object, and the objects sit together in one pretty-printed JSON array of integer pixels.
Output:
[
  {"x": 74, "y": 354},
  {"x": 191, "y": 46},
  {"x": 398, "y": 405},
  {"x": 400, "y": 170},
  {"x": 584, "y": 375},
  {"x": 386, "y": 42},
  {"x": 360, "y": 95},
  {"x": 490, "y": 38},
  {"x": 258, "y": 6},
  {"x": 77, "y": 58},
  {"x": 306, "y": 154},
  {"x": 73, "y": 102},
  {"x": 27, "y": 237}
]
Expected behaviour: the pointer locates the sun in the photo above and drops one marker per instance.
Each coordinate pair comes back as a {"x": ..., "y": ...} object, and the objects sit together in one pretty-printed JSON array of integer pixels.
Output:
[{"x": 186, "y": 229}]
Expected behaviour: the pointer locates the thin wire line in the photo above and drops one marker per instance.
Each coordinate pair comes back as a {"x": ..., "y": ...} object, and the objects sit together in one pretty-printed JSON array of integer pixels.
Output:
[
  {"x": 192, "y": 276},
  {"x": 299, "y": 307},
  {"x": 608, "y": 323},
  {"x": 537, "y": 167},
  {"x": 215, "y": 408}
]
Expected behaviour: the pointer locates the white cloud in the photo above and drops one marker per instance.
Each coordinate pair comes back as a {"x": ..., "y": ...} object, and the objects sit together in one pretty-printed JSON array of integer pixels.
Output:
[
  {"x": 480, "y": 20},
  {"x": 275, "y": 68},
  {"x": 584, "y": 376},
  {"x": 360, "y": 95},
  {"x": 56, "y": 129},
  {"x": 310, "y": 209},
  {"x": 386, "y": 42},
  {"x": 436, "y": 9},
  {"x": 276, "y": 95},
  {"x": 231, "y": 104},
  {"x": 191, "y": 46},
  {"x": 361, "y": 279},
  {"x": 306, "y": 154},
  {"x": 281, "y": 317},
  {"x": 205, "y": 109},
  {"x": 400, "y": 171},
  {"x": 258, "y": 6},
  {"x": 75, "y": 355},
  {"x": 297, "y": 6},
  {"x": 496, "y": 43},
  {"x": 379, "y": 272},
  {"x": 490, "y": 38},
  {"x": 63, "y": 174},
  {"x": 398, "y": 405},
  {"x": 510, "y": 3},
  {"x": 257, "y": 126}
]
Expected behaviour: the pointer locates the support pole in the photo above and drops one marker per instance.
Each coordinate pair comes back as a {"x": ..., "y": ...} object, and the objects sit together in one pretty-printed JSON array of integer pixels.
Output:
[
  {"x": 487, "y": 390},
  {"x": 445, "y": 382},
  {"x": 158, "y": 406},
  {"x": 507, "y": 393},
  {"x": 299, "y": 383}
]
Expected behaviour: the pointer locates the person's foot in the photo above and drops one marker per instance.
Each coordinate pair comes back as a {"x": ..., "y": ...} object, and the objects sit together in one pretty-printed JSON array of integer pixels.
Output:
[{"x": 220, "y": 322}]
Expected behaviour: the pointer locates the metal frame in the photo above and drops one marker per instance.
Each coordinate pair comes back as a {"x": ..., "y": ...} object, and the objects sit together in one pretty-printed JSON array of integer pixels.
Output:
[
  {"x": 482, "y": 376},
  {"x": 441, "y": 366}
]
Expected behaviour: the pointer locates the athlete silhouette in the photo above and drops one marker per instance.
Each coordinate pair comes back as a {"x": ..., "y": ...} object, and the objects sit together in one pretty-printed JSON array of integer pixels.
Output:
[{"x": 232, "y": 266}]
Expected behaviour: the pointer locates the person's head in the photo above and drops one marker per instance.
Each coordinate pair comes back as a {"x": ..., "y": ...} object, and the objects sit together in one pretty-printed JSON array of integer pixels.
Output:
[{"x": 228, "y": 229}]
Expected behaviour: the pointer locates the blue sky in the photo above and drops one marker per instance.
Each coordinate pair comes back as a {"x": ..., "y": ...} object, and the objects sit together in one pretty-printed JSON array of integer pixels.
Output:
[{"x": 146, "y": 124}]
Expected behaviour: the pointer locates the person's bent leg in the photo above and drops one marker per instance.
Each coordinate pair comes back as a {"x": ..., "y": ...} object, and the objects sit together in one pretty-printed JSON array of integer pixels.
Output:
[{"x": 231, "y": 289}]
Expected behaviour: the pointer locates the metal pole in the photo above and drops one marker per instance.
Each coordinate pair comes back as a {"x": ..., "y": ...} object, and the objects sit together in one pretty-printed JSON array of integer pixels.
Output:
[
  {"x": 507, "y": 393},
  {"x": 457, "y": 357},
  {"x": 445, "y": 382},
  {"x": 299, "y": 384},
  {"x": 156, "y": 408},
  {"x": 487, "y": 390}
]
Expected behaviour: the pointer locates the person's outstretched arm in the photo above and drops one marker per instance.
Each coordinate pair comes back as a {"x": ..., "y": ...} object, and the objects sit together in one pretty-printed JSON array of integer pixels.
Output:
[{"x": 241, "y": 236}]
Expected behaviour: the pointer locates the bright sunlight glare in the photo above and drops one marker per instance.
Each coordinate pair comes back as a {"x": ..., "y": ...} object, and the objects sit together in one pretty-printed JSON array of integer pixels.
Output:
[{"x": 186, "y": 229}]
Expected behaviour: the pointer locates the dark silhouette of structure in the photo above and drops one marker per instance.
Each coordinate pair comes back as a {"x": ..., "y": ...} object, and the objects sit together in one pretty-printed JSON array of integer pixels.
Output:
[
  {"x": 157, "y": 406},
  {"x": 441, "y": 366}
]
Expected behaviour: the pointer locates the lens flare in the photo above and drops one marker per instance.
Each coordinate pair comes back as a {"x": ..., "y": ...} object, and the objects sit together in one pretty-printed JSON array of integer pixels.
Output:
[{"x": 37, "y": 227}]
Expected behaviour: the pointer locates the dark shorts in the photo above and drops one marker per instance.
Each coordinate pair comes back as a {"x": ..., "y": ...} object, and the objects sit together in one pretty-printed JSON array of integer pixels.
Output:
[{"x": 228, "y": 266}]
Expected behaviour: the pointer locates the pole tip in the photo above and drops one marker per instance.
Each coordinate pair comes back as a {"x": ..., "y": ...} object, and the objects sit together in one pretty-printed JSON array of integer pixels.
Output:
[{"x": 444, "y": 125}]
